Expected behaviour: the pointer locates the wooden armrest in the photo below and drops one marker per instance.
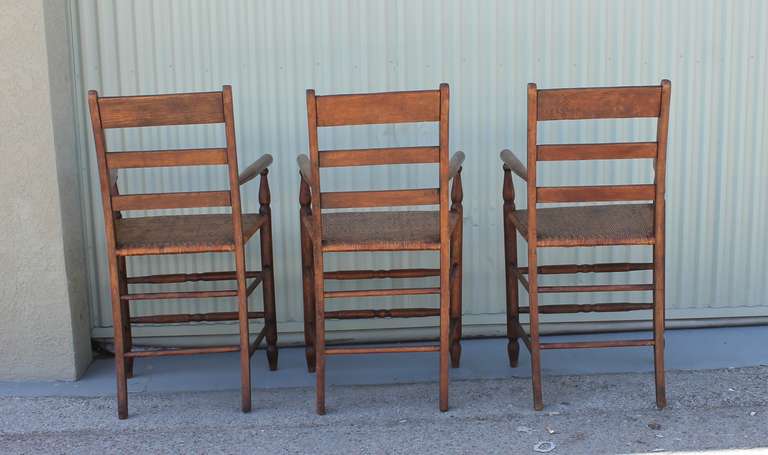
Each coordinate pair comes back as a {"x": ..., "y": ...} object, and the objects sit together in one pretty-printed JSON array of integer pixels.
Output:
[
  {"x": 513, "y": 164},
  {"x": 256, "y": 168},
  {"x": 304, "y": 167},
  {"x": 455, "y": 164}
]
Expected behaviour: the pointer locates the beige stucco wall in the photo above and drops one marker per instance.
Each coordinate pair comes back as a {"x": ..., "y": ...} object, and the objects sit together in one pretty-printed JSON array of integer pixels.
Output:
[{"x": 44, "y": 320}]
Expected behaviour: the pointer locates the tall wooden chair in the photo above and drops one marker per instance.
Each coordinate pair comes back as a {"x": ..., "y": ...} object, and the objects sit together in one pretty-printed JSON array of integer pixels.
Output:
[
  {"x": 180, "y": 234},
  {"x": 584, "y": 226},
  {"x": 436, "y": 230}
]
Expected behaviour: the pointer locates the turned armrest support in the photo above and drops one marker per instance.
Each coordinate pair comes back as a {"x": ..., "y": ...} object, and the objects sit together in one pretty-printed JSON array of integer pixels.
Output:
[
  {"x": 454, "y": 166},
  {"x": 256, "y": 168},
  {"x": 511, "y": 163},
  {"x": 304, "y": 168}
]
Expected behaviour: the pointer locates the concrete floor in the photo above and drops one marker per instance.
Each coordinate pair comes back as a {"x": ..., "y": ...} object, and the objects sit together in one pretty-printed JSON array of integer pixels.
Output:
[{"x": 598, "y": 401}]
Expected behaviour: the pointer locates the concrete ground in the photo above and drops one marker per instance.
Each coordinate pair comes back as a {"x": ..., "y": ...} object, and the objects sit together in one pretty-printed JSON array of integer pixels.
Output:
[{"x": 605, "y": 411}]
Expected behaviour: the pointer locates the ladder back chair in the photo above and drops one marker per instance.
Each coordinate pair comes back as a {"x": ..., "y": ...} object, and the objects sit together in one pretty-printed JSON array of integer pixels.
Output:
[
  {"x": 181, "y": 234},
  {"x": 435, "y": 230},
  {"x": 637, "y": 220}
]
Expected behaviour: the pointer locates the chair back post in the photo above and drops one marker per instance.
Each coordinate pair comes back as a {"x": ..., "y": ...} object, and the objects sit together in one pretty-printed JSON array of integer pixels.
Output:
[
  {"x": 234, "y": 175},
  {"x": 444, "y": 166},
  {"x": 105, "y": 179},
  {"x": 532, "y": 134},
  {"x": 314, "y": 160},
  {"x": 659, "y": 203}
]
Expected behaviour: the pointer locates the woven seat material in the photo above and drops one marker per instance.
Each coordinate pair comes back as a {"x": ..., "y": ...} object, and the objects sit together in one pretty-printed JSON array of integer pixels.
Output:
[
  {"x": 181, "y": 233},
  {"x": 383, "y": 231},
  {"x": 593, "y": 225}
]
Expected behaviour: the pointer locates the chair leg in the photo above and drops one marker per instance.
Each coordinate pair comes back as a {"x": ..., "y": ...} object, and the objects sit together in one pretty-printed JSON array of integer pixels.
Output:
[
  {"x": 121, "y": 372},
  {"x": 456, "y": 294},
  {"x": 658, "y": 325},
  {"x": 510, "y": 265},
  {"x": 126, "y": 314},
  {"x": 533, "y": 296},
  {"x": 308, "y": 287},
  {"x": 445, "y": 312},
  {"x": 242, "y": 308},
  {"x": 268, "y": 289},
  {"x": 319, "y": 330}
]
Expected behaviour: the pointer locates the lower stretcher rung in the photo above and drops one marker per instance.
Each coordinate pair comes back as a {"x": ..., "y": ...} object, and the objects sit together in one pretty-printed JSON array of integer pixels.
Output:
[
  {"x": 597, "y": 344},
  {"x": 391, "y": 313},
  {"x": 589, "y": 308},
  {"x": 382, "y": 350},
  {"x": 380, "y": 292},
  {"x": 204, "y": 317},
  {"x": 186, "y": 351}
]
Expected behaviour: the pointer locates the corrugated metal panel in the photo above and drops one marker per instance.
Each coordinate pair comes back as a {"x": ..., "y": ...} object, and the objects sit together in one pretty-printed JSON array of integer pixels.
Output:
[{"x": 713, "y": 51}]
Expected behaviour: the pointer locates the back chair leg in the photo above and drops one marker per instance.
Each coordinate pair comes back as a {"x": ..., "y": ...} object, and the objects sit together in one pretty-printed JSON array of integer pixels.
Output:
[
  {"x": 245, "y": 356},
  {"x": 120, "y": 336},
  {"x": 533, "y": 296},
  {"x": 445, "y": 311},
  {"x": 510, "y": 269},
  {"x": 319, "y": 329},
  {"x": 126, "y": 313},
  {"x": 455, "y": 279},
  {"x": 658, "y": 326}
]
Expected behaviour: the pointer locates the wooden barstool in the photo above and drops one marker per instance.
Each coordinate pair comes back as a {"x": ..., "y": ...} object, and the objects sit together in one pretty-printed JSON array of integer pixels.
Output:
[
  {"x": 180, "y": 234},
  {"x": 586, "y": 226},
  {"x": 436, "y": 230}
]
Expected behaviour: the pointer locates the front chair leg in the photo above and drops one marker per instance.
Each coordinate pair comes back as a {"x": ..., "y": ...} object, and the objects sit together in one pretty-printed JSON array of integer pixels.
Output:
[
  {"x": 267, "y": 270},
  {"x": 456, "y": 298},
  {"x": 457, "y": 195},
  {"x": 307, "y": 277},
  {"x": 510, "y": 270}
]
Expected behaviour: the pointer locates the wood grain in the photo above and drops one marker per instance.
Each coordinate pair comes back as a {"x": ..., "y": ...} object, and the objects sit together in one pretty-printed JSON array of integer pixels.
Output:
[
  {"x": 161, "y": 110},
  {"x": 378, "y": 108}
]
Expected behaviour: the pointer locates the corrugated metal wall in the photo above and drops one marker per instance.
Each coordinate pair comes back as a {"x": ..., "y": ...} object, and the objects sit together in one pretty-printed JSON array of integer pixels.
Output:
[{"x": 714, "y": 52}]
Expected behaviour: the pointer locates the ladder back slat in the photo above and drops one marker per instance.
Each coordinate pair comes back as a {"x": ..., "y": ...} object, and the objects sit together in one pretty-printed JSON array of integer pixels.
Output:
[
  {"x": 595, "y": 103},
  {"x": 602, "y": 193},
  {"x": 183, "y": 200},
  {"x": 378, "y": 108},
  {"x": 386, "y": 198},
  {"x": 615, "y": 151},
  {"x": 379, "y": 156},
  {"x": 166, "y": 158},
  {"x": 161, "y": 110}
]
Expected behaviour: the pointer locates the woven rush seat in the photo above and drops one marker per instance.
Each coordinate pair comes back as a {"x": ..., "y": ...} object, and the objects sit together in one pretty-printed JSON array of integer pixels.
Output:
[
  {"x": 383, "y": 231},
  {"x": 620, "y": 224},
  {"x": 181, "y": 233}
]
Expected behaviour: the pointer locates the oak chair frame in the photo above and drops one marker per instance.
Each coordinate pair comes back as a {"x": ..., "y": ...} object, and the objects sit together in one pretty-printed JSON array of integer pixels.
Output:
[
  {"x": 366, "y": 109},
  {"x": 585, "y": 103},
  {"x": 183, "y": 109}
]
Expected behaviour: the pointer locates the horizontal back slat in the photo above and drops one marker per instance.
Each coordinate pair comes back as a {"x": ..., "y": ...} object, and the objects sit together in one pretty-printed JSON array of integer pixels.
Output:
[
  {"x": 625, "y": 150},
  {"x": 602, "y": 193},
  {"x": 387, "y": 198},
  {"x": 165, "y": 158},
  {"x": 171, "y": 200},
  {"x": 377, "y": 156},
  {"x": 594, "y": 103},
  {"x": 377, "y": 108},
  {"x": 159, "y": 110}
]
